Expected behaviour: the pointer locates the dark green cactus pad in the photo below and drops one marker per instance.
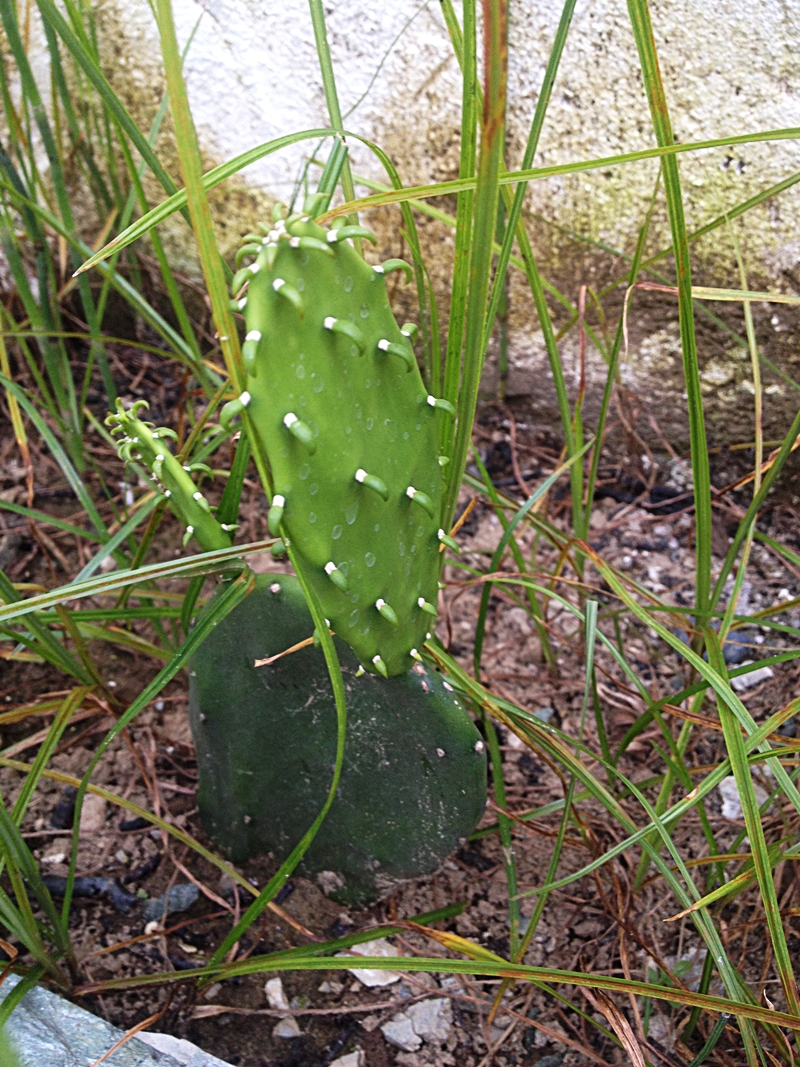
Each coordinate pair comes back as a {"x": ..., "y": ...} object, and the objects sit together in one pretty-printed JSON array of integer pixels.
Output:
[
  {"x": 351, "y": 435},
  {"x": 414, "y": 776}
]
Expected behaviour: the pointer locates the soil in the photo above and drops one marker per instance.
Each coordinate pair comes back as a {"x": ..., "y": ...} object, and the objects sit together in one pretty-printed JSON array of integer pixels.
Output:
[{"x": 596, "y": 923}]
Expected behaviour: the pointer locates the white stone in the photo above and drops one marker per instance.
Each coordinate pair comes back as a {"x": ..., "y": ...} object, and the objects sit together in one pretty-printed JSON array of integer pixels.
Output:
[
  {"x": 731, "y": 801},
  {"x": 752, "y": 678},
  {"x": 400, "y": 1033},
  {"x": 331, "y": 987},
  {"x": 432, "y": 1019},
  {"x": 276, "y": 998},
  {"x": 286, "y": 1028},
  {"x": 380, "y": 947},
  {"x": 93, "y": 815},
  {"x": 352, "y": 1059}
]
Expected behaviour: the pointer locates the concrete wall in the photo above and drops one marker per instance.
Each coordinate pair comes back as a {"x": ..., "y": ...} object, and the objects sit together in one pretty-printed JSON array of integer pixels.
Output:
[{"x": 729, "y": 65}]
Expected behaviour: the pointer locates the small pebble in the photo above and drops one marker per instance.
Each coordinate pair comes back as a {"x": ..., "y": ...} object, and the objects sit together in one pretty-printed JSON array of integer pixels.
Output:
[
  {"x": 286, "y": 1028},
  {"x": 93, "y": 815},
  {"x": 352, "y": 1059},
  {"x": 752, "y": 678},
  {"x": 276, "y": 998},
  {"x": 180, "y": 898},
  {"x": 331, "y": 987},
  {"x": 399, "y": 1032}
]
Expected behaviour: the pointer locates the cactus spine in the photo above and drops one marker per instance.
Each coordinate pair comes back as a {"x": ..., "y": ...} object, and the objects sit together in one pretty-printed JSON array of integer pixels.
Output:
[{"x": 351, "y": 434}]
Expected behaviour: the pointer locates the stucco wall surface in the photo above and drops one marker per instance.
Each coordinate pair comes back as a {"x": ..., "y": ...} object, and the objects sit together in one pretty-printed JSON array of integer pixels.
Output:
[{"x": 729, "y": 65}]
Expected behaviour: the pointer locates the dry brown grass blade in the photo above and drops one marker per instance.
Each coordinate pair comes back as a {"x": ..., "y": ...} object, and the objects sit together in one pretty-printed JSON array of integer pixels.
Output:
[
  {"x": 134, "y": 1030},
  {"x": 618, "y": 1023}
]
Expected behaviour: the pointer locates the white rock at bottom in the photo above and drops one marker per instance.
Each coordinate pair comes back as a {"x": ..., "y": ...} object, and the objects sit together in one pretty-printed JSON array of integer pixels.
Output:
[{"x": 183, "y": 1051}]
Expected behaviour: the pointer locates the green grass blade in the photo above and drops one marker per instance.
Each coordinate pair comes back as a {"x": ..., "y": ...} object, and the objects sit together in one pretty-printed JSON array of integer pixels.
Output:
[
  {"x": 755, "y": 830},
  {"x": 58, "y": 454},
  {"x": 109, "y": 98},
  {"x": 177, "y": 201},
  {"x": 515, "y": 208},
  {"x": 329, "y": 88},
  {"x": 482, "y": 243},
  {"x": 465, "y": 46},
  {"x": 500, "y": 551},
  {"x": 110, "y": 548},
  {"x": 662, "y": 126},
  {"x": 197, "y": 201},
  {"x": 226, "y": 602},
  {"x": 204, "y": 563},
  {"x": 512, "y": 177}
]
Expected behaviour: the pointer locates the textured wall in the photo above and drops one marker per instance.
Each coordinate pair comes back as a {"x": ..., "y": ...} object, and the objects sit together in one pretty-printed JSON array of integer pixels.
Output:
[{"x": 729, "y": 65}]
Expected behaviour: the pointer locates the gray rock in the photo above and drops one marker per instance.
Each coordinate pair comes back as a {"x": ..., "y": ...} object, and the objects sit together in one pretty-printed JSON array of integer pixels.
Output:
[
  {"x": 432, "y": 1020},
  {"x": 400, "y": 1033},
  {"x": 181, "y": 897},
  {"x": 287, "y": 1028},
  {"x": 46, "y": 1029}
]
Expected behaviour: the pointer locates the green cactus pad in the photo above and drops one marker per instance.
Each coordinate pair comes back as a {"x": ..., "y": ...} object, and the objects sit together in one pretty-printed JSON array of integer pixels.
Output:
[
  {"x": 414, "y": 777},
  {"x": 351, "y": 436}
]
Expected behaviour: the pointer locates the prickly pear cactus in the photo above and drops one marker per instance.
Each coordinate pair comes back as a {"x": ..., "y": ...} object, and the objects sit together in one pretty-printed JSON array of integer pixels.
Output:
[
  {"x": 350, "y": 432},
  {"x": 148, "y": 444},
  {"x": 414, "y": 777}
]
